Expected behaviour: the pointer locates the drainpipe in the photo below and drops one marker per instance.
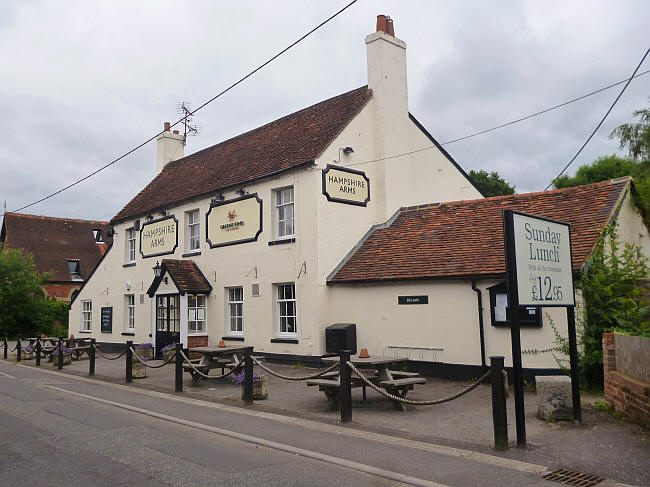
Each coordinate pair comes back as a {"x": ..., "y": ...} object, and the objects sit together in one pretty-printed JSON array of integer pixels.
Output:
[{"x": 479, "y": 303}]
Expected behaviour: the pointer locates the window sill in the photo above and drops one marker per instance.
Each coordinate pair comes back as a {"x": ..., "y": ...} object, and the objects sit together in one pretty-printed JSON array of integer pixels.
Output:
[
  {"x": 284, "y": 340},
  {"x": 130, "y": 264},
  {"x": 191, "y": 254},
  {"x": 128, "y": 334},
  {"x": 233, "y": 339},
  {"x": 85, "y": 331},
  {"x": 282, "y": 241},
  {"x": 197, "y": 334}
]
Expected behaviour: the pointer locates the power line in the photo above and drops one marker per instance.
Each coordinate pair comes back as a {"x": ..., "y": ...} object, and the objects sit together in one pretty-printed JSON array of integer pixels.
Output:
[
  {"x": 507, "y": 123},
  {"x": 544, "y": 111},
  {"x": 193, "y": 111},
  {"x": 600, "y": 123}
]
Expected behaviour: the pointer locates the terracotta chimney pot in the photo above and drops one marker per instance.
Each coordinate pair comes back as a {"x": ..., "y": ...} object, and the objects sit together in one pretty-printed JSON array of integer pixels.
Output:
[
  {"x": 167, "y": 125},
  {"x": 389, "y": 27},
  {"x": 381, "y": 23},
  {"x": 176, "y": 132}
]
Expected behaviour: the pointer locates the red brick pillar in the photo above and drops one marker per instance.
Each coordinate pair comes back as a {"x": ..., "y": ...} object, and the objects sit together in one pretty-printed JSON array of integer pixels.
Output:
[{"x": 610, "y": 385}]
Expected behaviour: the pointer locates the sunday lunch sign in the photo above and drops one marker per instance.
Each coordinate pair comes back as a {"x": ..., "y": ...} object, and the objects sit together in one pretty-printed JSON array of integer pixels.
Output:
[{"x": 543, "y": 260}]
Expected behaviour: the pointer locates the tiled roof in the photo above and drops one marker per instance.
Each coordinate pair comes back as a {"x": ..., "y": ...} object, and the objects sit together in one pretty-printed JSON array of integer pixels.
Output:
[
  {"x": 275, "y": 147},
  {"x": 465, "y": 238},
  {"x": 186, "y": 275},
  {"x": 54, "y": 241}
]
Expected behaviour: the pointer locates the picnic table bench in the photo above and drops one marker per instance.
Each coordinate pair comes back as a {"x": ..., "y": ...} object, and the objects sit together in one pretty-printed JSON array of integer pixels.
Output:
[
  {"x": 212, "y": 358},
  {"x": 394, "y": 382}
]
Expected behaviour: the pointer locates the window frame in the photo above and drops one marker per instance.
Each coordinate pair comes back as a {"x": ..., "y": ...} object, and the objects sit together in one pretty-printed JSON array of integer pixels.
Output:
[
  {"x": 277, "y": 208},
  {"x": 129, "y": 313},
  {"x": 525, "y": 318},
  {"x": 86, "y": 315},
  {"x": 130, "y": 232},
  {"x": 75, "y": 274},
  {"x": 190, "y": 225},
  {"x": 230, "y": 301},
  {"x": 196, "y": 308},
  {"x": 279, "y": 305}
]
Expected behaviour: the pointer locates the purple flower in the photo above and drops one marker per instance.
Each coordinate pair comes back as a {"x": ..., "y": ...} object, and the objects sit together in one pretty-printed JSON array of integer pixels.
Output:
[{"x": 239, "y": 379}]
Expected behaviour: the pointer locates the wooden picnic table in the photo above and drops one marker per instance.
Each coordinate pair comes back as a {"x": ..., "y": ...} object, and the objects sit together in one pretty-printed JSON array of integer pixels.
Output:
[
  {"x": 378, "y": 369},
  {"x": 213, "y": 358}
]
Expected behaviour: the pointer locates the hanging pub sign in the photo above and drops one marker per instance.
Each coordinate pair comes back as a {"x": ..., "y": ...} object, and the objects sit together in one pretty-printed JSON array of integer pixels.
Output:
[
  {"x": 234, "y": 221},
  {"x": 159, "y": 237},
  {"x": 344, "y": 185},
  {"x": 542, "y": 256}
]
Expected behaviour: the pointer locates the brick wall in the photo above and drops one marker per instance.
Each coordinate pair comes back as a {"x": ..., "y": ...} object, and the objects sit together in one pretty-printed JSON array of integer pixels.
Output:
[
  {"x": 196, "y": 341},
  {"x": 627, "y": 395}
]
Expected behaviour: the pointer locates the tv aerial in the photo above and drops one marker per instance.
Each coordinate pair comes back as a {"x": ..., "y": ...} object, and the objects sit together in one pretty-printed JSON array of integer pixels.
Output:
[{"x": 183, "y": 108}]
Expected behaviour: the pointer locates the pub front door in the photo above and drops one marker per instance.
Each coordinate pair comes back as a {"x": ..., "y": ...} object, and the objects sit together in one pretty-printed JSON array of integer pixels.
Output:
[{"x": 168, "y": 322}]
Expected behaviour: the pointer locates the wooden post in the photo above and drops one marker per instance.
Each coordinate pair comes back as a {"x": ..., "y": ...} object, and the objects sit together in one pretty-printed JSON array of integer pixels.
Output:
[
  {"x": 179, "y": 368},
  {"x": 38, "y": 351},
  {"x": 18, "y": 349},
  {"x": 573, "y": 358},
  {"x": 60, "y": 353},
  {"x": 345, "y": 388},
  {"x": 91, "y": 357},
  {"x": 248, "y": 375},
  {"x": 129, "y": 362},
  {"x": 499, "y": 413},
  {"x": 6, "y": 346}
]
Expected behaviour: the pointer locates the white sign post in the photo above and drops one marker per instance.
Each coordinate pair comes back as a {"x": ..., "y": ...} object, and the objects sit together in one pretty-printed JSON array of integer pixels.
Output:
[
  {"x": 543, "y": 260},
  {"x": 539, "y": 273}
]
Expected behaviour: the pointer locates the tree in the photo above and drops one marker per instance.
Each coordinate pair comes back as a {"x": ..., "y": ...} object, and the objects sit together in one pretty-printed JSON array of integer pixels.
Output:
[
  {"x": 491, "y": 184},
  {"x": 635, "y": 137},
  {"x": 23, "y": 308},
  {"x": 602, "y": 169}
]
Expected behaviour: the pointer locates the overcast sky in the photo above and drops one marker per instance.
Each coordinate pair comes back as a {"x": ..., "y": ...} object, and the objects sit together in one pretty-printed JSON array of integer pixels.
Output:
[{"x": 83, "y": 82}]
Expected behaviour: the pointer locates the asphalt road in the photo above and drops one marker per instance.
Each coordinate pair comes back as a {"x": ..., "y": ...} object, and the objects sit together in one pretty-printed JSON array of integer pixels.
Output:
[{"x": 63, "y": 429}]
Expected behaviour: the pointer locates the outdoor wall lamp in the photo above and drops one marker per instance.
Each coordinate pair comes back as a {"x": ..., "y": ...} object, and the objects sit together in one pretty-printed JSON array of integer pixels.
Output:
[
  {"x": 346, "y": 150},
  {"x": 157, "y": 271},
  {"x": 241, "y": 191}
]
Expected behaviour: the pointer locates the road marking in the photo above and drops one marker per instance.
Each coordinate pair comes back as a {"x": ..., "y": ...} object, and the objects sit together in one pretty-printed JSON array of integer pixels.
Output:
[
  {"x": 380, "y": 472},
  {"x": 329, "y": 428},
  {"x": 7, "y": 375}
]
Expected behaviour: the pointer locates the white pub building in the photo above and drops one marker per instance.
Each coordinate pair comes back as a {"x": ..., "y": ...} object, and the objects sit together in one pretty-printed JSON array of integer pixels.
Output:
[{"x": 333, "y": 214}]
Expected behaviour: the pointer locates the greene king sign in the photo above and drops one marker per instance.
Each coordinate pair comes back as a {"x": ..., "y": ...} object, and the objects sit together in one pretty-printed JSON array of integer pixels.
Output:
[{"x": 543, "y": 261}]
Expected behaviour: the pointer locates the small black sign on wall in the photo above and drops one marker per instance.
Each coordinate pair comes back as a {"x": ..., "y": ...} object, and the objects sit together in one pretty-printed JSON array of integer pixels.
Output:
[
  {"x": 412, "y": 299},
  {"x": 107, "y": 319}
]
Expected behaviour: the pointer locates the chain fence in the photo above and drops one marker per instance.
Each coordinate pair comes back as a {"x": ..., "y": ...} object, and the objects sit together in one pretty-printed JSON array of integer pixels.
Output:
[
  {"x": 144, "y": 362},
  {"x": 107, "y": 357},
  {"x": 288, "y": 377},
  {"x": 412, "y": 401}
]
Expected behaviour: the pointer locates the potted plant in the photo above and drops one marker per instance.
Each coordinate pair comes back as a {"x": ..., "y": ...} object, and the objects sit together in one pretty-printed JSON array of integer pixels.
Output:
[
  {"x": 66, "y": 354},
  {"x": 145, "y": 352},
  {"x": 27, "y": 353},
  {"x": 260, "y": 385},
  {"x": 169, "y": 352}
]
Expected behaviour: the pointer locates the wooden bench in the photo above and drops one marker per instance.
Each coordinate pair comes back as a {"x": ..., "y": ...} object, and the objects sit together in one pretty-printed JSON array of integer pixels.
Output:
[
  {"x": 329, "y": 384},
  {"x": 206, "y": 368},
  {"x": 77, "y": 351},
  {"x": 398, "y": 374},
  {"x": 400, "y": 387}
]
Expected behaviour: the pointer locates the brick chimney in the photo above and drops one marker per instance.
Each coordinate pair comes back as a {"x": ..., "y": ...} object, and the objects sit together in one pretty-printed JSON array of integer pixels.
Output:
[
  {"x": 170, "y": 147},
  {"x": 387, "y": 68}
]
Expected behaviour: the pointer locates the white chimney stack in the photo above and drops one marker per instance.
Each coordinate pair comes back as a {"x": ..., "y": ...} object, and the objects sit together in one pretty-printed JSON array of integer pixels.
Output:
[
  {"x": 387, "y": 69},
  {"x": 170, "y": 147}
]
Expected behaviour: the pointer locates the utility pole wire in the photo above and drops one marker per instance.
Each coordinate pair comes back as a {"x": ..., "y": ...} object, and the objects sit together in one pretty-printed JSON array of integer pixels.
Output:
[
  {"x": 543, "y": 111},
  {"x": 193, "y": 111},
  {"x": 600, "y": 123}
]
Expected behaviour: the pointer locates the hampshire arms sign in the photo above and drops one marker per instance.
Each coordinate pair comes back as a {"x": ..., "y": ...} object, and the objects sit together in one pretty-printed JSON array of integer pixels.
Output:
[
  {"x": 344, "y": 185},
  {"x": 159, "y": 237}
]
